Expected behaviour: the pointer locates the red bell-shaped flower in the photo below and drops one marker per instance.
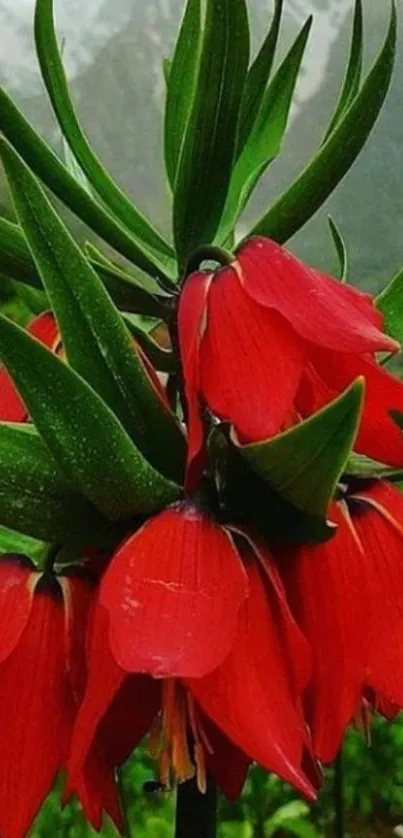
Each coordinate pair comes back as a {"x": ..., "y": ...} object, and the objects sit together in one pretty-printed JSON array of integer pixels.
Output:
[
  {"x": 42, "y": 667},
  {"x": 346, "y": 596},
  {"x": 192, "y": 629},
  {"x": 257, "y": 334}
]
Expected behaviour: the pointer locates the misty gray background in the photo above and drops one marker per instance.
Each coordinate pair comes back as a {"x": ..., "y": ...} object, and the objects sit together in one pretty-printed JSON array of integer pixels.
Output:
[{"x": 113, "y": 53}]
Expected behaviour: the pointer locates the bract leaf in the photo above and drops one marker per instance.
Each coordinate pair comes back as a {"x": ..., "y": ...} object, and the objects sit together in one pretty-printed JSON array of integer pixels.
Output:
[
  {"x": 304, "y": 463},
  {"x": 352, "y": 79},
  {"x": 341, "y": 248},
  {"x": 265, "y": 138},
  {"x": 35, "y": 497},
  {"x": 91, "y": 447},
  {"x": 257, "y": 78},
  {"x": 54, "y": 174},
  {"x": 335, "y": 157},
  {"x": 96, "y": 341},
  {"x": 390, "y": 303},
  {"x": 206, "y": 159},
  {"x": 56, "y": 84},
  {"x": 181, "y": 86}
]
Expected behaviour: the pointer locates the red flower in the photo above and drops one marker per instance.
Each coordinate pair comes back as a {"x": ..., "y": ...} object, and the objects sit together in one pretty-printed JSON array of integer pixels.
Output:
[
  {"x": 42, "y": 622},
  {"x": 12, "y": 409},
  {"x": 188, "y": 625},
  {"x": 346, "y": 596},
  {"x": 257, "y": 335}
]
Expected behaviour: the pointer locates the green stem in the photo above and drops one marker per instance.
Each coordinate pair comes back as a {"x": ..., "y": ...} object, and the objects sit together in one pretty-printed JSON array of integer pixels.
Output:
[
  {"x": 339, "y": 798},
  {"x": 196, "y": 813}
]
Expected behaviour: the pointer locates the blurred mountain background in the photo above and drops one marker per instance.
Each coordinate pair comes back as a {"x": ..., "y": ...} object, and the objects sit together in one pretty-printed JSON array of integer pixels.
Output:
[{"x": 113, "y": 54}]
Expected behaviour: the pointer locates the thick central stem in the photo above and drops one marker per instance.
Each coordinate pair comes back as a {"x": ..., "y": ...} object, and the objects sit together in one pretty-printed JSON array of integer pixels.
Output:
[{"x": 196, "y": 813}]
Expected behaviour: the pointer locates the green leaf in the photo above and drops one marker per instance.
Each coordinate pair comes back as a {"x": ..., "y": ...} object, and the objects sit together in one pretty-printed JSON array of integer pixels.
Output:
[
  {"x": 56, "y": 84},
  {"x": 74, "y": 167},
  {"x": 206, "y": 159},
  {"x": 341, "y": 248},
  {"x": 12, "y": 542},
  {"x": 352, "y": 79},
  {"x": 358, "y": 465},
  {"x": 162, "y": 359},
  {"x": 335, "y": 157},
  {"x": 390, "y": 303},
  {"x": 166, "y": 69},
  {"x": 96, "y": 341},
  {"x": 35, "y": 498},
  {"x": 54, "y": 174},
  {"x": 304, "y": 463},
  {"x": 181, "y": 86},
  {"x": 91, "y": 447},
  {"x": 265, "y": 139},
  {"x": 15, "y": 260},
  {"x": 131, "y": 292},
  {"x": 257, "y": 78}
]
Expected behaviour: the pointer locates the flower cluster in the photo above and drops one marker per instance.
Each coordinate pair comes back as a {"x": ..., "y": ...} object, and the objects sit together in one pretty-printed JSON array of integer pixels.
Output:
[{"x": 223, "y": 645}]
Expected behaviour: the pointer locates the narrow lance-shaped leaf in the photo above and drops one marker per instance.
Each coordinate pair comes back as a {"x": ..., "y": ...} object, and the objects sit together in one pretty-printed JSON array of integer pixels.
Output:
[
  {"x": 95, "y": 338},
  {"x": 341, "y": 248},
  {"x": 181, "y": 86},
  {"x": 304, "y": 463},
  {"x": 352, "y": 79},
  {"x": 205, "y": 163},
  {"x": 91, "y": 447},
  {"x": 56, "y": 84},
  {"x": 128, "y": 291},
  {"x": 265, "y": 139},
  {"x": 47, "y": 166},
  {"x": 257, "y": 78},
  {"x": 35, "y": 498},
  {"x": 335, "y": 157},
  {"x": 390, "y": 303}
]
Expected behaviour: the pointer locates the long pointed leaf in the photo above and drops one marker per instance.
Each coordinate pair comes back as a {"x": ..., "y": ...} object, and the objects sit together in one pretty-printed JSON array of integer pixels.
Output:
[
  {"x": 305, "y": 463},
  {"x": 205, "y": 164},
  {"x": 47, "y": 166},
  {"x": 35, "y": 498},
  {"x": 336, "y": 156},
  {"x": 341, "y": 248},
  {"x": 257, "y": 78},
  {"x": 91, "y": 447},
  {"x": 95, "y": 338},
  {"x": 181, "y": 86},
  {"x": 352, "y": 79},
  {"x": 265, "y": 139},
  {"x": 56, "y": 84},
  {"x": 390, "y": 303},
  {"x": 15, "y": 260}
]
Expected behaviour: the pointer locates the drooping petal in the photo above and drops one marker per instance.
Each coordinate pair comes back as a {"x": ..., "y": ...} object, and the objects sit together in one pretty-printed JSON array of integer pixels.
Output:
[
  {"x": 324, "y": 586},
  {"x": 173, "y": 592},
  {"x": 249, "y": 696},
  {"x": 225, "y": 762},
  {"x": 377, "y": 516},
  {"x": 379, "y": 436},
  {"x": 116, "y": 711},
  {"x": 191, "y": 327},
  {"x": 12, "y": 409},
  {"x": 36, "y": 713},
  {"x": 17, "y": 581},
  {"x": 79, "y": 596},
  {"x": 251, "y": 361},
  {"x": 320, "y": 309}
]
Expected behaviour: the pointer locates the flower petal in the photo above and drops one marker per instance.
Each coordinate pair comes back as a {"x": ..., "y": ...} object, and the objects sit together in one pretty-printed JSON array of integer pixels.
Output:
[
  {"x": 321, "y": 309},
  {"x": 36, "y": 711},
  {"x": 377, "y": 515},
  {"x": 251, "y": 361},
  {"x": 226, "y": 763},
  {"x": 379, "y": 436},
  {"x": 116, "y": 711},
  {"x": 324, "y": 586},
  {"x": 249, "y": 697},
  {"x": 191, "y": 327},
  {"x": 12, "y": 409},
  {"x": 173, "y": 592},
  {"x": 17, "y": 579}
]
